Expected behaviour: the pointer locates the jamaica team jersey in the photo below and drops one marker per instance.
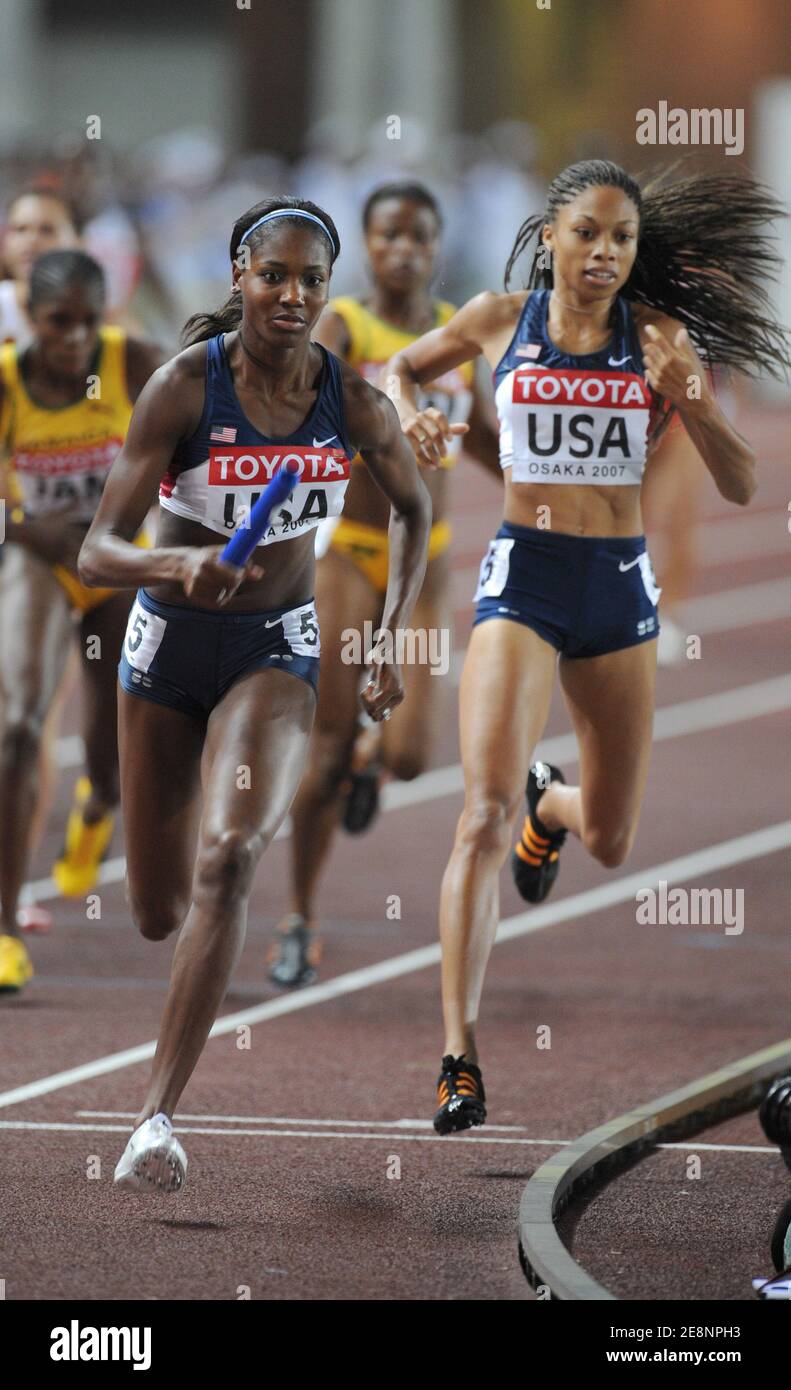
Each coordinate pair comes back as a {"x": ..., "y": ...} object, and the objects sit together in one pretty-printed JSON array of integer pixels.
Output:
[
  {"x": 573, "y": 419},
  {"x": 217, "y": 475},
  {"x": 372, "y": 342},
  {"x": 60, "y": 456}
]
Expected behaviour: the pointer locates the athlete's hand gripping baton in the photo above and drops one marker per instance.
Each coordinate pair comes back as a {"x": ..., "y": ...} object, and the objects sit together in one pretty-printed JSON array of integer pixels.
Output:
[{"x": 242, "y": 544}]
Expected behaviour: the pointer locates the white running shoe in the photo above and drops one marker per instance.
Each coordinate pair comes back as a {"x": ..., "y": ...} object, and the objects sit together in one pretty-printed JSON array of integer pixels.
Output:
[{"x": 153, "y": 1159}]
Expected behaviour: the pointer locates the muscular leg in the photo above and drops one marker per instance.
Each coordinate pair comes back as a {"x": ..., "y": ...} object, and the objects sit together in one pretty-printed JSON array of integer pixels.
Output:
[
  {"x": 34, "y": 645},
  {"x": 506, "y": 688},
  {"x": 611, "y": 702},
  {"x": 263, "y": 724},
  {"x": 408, "y": 737},
  {"x": 107, "y": 623},
  {"x": 48, "y": 760},
  {"x": 160, "y": 754},
  {"x": 344, "y": 599}
]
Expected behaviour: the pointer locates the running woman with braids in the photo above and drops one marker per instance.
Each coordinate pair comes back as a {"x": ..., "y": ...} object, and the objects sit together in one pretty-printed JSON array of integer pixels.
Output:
[
  {"x": 589, "y": 363},
  {"x": 65, "y": 403},
  {"x": 402, "y": 225},
  {"x": 219, "y": 666}
]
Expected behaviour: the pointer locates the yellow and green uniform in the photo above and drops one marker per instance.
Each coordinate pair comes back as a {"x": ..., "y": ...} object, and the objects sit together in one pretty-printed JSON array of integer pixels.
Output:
[
  {"x": 372, "y": 342},
  {"x": 59, "y": 456}
]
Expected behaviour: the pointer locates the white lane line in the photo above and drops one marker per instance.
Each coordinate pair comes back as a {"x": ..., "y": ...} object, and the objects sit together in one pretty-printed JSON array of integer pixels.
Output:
[
  {"x": 61, "y": 1126},
  {"x": 749, "y": 605},
  {"x": 723, "y": 855},
  {"x": 744, "y": 702},
  {"x": 392, "y": 1124},
  {"x": 64, "y": 1126},
  {"x": 289, "y": 1120}
]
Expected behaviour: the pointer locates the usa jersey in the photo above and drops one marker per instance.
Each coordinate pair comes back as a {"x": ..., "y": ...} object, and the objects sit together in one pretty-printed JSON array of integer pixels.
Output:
[
  {"x": 217, "y": 475},
  {"x": 573, "y": 418}
]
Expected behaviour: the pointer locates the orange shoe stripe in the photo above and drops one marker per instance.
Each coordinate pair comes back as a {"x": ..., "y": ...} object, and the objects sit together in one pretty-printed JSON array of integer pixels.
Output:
[
  {"x": 521, "y": 853},
  {"x": 530, "y": 830}
]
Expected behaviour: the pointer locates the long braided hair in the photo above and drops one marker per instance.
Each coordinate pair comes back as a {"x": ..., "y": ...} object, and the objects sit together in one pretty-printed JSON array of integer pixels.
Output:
[
  {"x": 704, "y": 256},
  {"x": 223, "y": 320}
]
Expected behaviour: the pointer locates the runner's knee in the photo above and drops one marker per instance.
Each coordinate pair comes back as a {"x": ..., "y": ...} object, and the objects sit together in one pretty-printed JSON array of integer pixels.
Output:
[
  {"x": 329, "y": 763},
  {"x": 157, "y": 919},
  {"x": 407, "y": 763},
  {"x": 21, "y": 739},
  {"x": 226, "y": 863},
  {"x": 610, "y": 847},
  {"x": 485, "y": 825}
]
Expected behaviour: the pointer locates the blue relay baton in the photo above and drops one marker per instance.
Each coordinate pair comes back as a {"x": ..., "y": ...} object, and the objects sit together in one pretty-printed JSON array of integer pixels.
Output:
[{"x": 242, "y": 544}]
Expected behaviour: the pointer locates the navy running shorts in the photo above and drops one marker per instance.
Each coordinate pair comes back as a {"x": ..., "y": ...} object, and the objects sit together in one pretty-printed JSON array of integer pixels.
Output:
[
  {"x": 188, "y": 658},
  {"x": 585, "y": 595}
]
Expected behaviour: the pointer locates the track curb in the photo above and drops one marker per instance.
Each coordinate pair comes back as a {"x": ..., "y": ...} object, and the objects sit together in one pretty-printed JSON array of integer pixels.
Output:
[{"x": 546, "y": 1261}]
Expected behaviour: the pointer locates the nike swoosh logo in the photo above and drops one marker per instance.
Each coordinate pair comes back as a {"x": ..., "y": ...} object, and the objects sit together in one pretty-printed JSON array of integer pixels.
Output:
[
  {"x": 622, "y": 567},
  {"x": 273, "y": 623},
  {"x": 319, "y": 443},
  {"x": 618, "y": 361}
]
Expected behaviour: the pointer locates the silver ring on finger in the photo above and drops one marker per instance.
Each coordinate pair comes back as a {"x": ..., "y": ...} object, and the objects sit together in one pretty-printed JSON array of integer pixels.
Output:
[
  {"x": 223, "y": 594},
  {"x": 386, "y": 713}
]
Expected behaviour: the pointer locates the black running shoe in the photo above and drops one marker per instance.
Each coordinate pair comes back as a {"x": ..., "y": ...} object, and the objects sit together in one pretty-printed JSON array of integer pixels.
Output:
[
  {"x": 460, "y": 1094},
  {"x": 292, "y": 966},
  {"x": 361, "y": 803},
  {"x": 534, "y": 861}
]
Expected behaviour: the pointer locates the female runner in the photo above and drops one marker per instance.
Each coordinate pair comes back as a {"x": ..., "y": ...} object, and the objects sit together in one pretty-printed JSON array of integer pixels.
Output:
[
  {"x": 583, "y": 366},
  {"x": 402, "y": 227},
  {"x": 65, "y": 404},
  {"x": 209, "y": 699},
  {"x": 37, "y": 220}
]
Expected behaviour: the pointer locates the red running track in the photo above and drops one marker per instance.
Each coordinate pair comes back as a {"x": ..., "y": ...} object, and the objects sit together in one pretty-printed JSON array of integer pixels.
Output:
[{"x": 314, "y": 1172}]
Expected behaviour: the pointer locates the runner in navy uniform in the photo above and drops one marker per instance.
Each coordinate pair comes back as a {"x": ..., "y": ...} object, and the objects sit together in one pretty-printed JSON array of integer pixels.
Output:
[
  {"x": 588, "y": 363},
  {"x": 209, "y": 697}
]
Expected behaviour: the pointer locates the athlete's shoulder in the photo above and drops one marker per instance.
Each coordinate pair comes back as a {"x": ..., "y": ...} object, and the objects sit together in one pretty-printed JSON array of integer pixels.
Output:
[
  {"x": 492, "y": 311},
  {"x": 643, "y": 314},
  {"x": 365, "y": 405},
  {"x": 187, "y": 366},
  {"x": 174, "y": 394}
]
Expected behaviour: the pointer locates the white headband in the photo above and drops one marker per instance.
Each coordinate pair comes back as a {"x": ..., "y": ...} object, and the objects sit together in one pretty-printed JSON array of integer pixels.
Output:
[{"x": 290, "y": 212}]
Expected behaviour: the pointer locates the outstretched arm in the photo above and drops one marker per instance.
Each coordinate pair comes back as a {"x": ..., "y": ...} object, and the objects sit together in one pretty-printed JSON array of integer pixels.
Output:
[{"x": 463, "y": 338}]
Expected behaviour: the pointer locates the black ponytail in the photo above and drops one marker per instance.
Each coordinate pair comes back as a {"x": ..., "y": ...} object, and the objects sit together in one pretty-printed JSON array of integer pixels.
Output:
[
  {"x": 704, "y": 257},
  {"x": 200, "y": 327}
]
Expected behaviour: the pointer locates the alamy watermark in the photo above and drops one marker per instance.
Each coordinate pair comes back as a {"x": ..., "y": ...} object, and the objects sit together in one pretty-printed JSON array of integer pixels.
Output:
[
  {"x": 673, "y": 125},
  {"x": 406, "y": 646},
  {"x": 691, "y": 907}
]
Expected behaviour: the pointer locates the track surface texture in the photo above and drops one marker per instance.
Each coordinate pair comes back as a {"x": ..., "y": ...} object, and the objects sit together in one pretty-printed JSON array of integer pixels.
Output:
[{"x": 314, "y": 1172}]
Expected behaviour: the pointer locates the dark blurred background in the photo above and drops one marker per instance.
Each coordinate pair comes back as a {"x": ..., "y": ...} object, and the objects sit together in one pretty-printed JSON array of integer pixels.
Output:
[{"x": 205, "y": 106}]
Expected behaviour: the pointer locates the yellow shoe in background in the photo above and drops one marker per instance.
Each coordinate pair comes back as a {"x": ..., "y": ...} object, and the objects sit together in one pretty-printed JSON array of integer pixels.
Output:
[
  {"x": 77, "y": 870},
  {"x": 15, "y": 965}
]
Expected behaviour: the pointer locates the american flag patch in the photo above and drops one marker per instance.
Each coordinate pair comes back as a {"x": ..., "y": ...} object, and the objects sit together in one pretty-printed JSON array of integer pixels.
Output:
[
  {"x": 223, "y": 434},
  {"x": 528, "y": 350}
]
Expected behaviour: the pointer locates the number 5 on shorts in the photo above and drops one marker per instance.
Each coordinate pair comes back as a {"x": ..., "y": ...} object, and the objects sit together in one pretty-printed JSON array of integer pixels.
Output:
[
  {"x": 144, "y": 633},
  {"x": 494, "y": 569}
]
